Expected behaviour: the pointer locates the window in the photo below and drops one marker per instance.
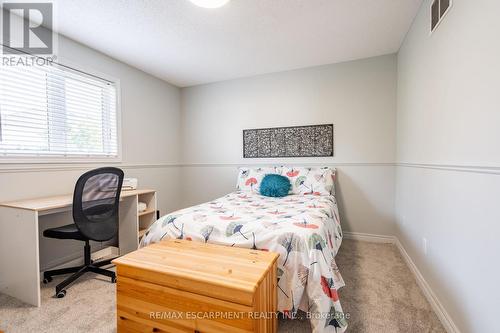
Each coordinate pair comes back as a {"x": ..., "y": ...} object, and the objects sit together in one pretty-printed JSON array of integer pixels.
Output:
[{"x": 55, "y": 111}]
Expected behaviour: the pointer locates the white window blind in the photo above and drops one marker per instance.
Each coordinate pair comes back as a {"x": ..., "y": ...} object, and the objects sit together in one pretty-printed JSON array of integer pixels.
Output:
[{"x": 55, "y": 111}]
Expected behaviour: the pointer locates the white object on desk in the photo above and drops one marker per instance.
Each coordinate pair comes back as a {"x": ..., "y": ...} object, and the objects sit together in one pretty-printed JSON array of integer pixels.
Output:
[
  {"x": 142, "y": 206},
  {"x": 19, "y": 243},
  {"x": 129, "y": 184}
]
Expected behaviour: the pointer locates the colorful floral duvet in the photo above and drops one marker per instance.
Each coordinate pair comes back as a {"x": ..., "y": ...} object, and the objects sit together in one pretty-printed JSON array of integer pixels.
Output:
[{"x": 303, "y": 229}]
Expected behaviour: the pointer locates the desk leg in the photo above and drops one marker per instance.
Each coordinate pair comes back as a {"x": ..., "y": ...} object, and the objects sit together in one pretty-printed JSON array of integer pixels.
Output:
[
  {"x": 128, "y": 228},
  {"x": 19, "y": 254}
]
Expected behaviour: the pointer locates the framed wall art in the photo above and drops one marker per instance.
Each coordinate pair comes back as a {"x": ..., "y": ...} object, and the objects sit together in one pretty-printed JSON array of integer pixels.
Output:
[{"x": 295, "y": 141}]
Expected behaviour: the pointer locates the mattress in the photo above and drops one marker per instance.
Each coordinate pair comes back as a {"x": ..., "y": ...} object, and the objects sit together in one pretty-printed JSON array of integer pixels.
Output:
[{"x": 304, "y": 229}]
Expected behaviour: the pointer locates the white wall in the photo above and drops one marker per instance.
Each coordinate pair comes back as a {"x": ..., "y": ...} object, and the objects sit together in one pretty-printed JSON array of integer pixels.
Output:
[
  {"x": 359, "y": 97},
  {"x": 150, "y": 138},
  {"x": 448, "y": 182}
]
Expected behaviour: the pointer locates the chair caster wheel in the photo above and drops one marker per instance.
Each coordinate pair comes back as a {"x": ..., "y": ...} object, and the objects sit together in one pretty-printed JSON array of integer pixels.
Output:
[
  {"x": 47, "y": 280},
  {"x": 113, "y": 279},
  {"x": 61, "y": 294}
]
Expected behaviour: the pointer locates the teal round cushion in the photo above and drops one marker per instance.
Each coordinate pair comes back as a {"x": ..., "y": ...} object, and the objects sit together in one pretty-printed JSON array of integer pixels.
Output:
[{"x": 273, "y": 185}]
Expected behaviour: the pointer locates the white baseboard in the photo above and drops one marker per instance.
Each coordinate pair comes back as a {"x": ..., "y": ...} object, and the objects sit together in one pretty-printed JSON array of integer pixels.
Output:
[
  {"x": 369, "y": 237},
  {"x": 429, "y": 294},
  {"x": 436, "y": 305}
]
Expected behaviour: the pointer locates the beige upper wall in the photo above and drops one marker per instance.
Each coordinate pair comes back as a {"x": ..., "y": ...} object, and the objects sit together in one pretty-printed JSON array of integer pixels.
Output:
[
  {"x": 358, "y": 97},
  {"x": 449, "y": 88}
]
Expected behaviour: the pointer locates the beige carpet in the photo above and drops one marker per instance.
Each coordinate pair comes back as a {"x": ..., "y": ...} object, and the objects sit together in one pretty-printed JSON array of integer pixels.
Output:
[{"x": 381, "y": 295}]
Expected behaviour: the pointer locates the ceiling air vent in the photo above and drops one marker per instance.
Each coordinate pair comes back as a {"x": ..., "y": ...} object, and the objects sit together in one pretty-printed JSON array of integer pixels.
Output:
[{"x": 439, "y": 8}]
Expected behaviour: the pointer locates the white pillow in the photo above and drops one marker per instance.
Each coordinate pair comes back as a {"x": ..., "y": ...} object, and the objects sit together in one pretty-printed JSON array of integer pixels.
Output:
[
  {"x": 311, "y": 180},
  {"x": 249, "y": 178}
]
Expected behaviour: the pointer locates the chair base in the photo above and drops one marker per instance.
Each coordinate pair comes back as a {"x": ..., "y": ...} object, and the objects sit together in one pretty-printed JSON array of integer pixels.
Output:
[{"x": 89, "y": 266}]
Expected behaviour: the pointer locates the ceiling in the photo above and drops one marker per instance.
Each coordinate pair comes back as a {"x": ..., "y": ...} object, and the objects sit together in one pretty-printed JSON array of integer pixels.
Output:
[{"x": 188, "y": 45}]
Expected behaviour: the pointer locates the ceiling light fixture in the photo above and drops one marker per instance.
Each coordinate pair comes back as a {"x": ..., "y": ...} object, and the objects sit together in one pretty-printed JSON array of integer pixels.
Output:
[{"x": 210, "y": 3}]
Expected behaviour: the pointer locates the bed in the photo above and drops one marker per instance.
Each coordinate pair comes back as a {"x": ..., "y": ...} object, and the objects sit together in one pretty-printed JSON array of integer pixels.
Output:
[{"x": 303, "y": 228}]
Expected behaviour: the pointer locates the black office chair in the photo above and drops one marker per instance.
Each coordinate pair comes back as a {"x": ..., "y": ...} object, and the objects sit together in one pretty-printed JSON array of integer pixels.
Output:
[{"x": 95, "y": 212}]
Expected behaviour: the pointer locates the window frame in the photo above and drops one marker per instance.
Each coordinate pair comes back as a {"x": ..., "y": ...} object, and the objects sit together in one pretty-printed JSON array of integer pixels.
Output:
[{"x": 79, "y": 159}]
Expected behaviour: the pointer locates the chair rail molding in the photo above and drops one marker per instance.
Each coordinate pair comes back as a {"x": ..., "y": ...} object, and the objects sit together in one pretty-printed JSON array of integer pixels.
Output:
[
  {"x": 495, "y": 170},
  {"x": 15, "y": 168}
]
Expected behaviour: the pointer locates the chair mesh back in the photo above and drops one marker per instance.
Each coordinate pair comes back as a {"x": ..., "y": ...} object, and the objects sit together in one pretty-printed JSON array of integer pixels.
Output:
[
  {"x": 95, "y": 204},
  {"x": 98, "y": 197}
]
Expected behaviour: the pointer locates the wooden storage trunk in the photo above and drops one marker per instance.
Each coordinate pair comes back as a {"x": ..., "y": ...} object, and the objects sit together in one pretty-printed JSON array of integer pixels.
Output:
[{"x": 184, "y": 286}]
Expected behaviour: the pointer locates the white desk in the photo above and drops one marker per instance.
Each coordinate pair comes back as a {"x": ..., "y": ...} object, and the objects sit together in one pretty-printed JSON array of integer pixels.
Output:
[{"x": 19, "y": 243}]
